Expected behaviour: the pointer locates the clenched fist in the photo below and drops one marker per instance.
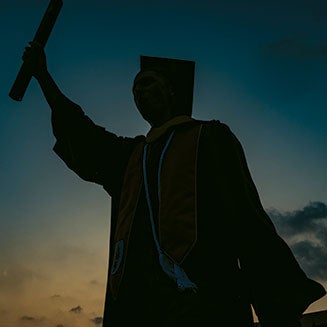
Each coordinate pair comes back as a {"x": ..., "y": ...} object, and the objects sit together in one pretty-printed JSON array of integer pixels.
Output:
[{"x": 34, "y": 56}]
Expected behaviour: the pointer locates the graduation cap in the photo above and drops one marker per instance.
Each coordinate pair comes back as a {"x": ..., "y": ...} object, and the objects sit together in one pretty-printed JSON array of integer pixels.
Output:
[{"x": 180, "y": 74}]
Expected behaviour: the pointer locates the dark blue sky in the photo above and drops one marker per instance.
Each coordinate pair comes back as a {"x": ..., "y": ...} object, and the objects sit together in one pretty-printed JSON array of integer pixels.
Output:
[{"x": 261, "y": 67}]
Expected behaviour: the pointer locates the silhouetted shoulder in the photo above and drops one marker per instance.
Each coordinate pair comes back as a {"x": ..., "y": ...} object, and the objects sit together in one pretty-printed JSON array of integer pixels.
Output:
[
  {"x": 218, "y": 127},
  {"x": 215, "y": 133}
]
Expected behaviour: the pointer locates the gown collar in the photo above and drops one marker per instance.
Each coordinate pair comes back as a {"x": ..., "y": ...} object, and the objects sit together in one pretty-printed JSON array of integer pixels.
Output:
[{"x": 156, "y": 132}]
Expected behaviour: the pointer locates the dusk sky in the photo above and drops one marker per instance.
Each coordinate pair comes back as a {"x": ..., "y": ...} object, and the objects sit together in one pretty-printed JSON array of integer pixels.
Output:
[{"x": 261, "y": 68}]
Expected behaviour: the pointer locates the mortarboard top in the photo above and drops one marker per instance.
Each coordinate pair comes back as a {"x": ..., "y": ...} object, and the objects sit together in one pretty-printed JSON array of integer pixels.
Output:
[{"x": 180, "y": 73}]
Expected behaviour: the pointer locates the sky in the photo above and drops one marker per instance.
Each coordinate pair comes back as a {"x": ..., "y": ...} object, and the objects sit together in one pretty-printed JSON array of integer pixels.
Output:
[{"x": 261, "y": 68}]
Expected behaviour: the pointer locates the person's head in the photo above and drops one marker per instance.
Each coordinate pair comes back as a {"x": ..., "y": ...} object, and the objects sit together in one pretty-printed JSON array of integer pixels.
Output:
[
  {"x": 154, "y": 97},
  {"x": 163, "y": 89}
]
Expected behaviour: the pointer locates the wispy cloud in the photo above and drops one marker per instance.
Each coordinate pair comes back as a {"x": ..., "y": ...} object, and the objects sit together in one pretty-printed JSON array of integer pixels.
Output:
[
  {"x": 33, "y": 320},
  {"x": 27, "y": 318},
  {"x": 77, "y": 309},
  {"x": 55, "y": 296},
  {"x": 97, "y": 320},
  {"x": 305, "y": 231},
  {"x": 94, "y": 282}
]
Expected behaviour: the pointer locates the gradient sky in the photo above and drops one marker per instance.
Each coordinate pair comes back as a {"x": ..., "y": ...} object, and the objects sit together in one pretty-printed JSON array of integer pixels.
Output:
[{"x": 261, "y": 67}]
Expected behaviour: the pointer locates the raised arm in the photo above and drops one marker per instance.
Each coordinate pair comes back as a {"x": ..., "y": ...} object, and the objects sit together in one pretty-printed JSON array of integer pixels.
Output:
[{"x": 93, "y": 153}]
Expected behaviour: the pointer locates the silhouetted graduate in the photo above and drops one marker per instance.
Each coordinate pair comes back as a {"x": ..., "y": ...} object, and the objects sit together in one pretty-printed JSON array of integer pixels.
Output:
[{"x": 190, "y": 243}]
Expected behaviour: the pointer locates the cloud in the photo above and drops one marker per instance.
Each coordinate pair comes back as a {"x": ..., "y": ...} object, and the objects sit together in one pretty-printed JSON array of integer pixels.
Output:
[
  {"x": 97, "y": 320},
  {"x": 94, "y": 282},
  {"x": 77, "y": 309},
  {"x": 297, "y": 48},
  {"x": 27, "y": 318},
  {"x": 33, "y": 320},
  {"x": 305, "y": 231},
  {"x": 310, "y": 218},
  {"x": 55, "y": 296}
]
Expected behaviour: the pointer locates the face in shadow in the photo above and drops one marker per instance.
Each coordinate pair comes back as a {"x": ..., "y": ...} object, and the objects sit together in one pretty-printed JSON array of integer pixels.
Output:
[{"x": 153, "y": 96}]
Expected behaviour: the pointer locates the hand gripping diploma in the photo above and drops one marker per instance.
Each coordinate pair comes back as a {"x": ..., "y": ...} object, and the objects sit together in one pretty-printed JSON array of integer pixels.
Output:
[{"x": 40, "y": 39}]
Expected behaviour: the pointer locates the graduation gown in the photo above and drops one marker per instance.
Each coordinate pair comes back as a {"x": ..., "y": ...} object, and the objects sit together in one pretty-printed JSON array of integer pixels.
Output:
[{"x": 237, "y": 258}]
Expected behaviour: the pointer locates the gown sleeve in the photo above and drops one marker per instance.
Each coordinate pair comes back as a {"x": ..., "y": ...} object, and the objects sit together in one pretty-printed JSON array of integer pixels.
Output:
[
  {"x": 93, "y": 153},
  {"x": 279, "y": 288}
]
